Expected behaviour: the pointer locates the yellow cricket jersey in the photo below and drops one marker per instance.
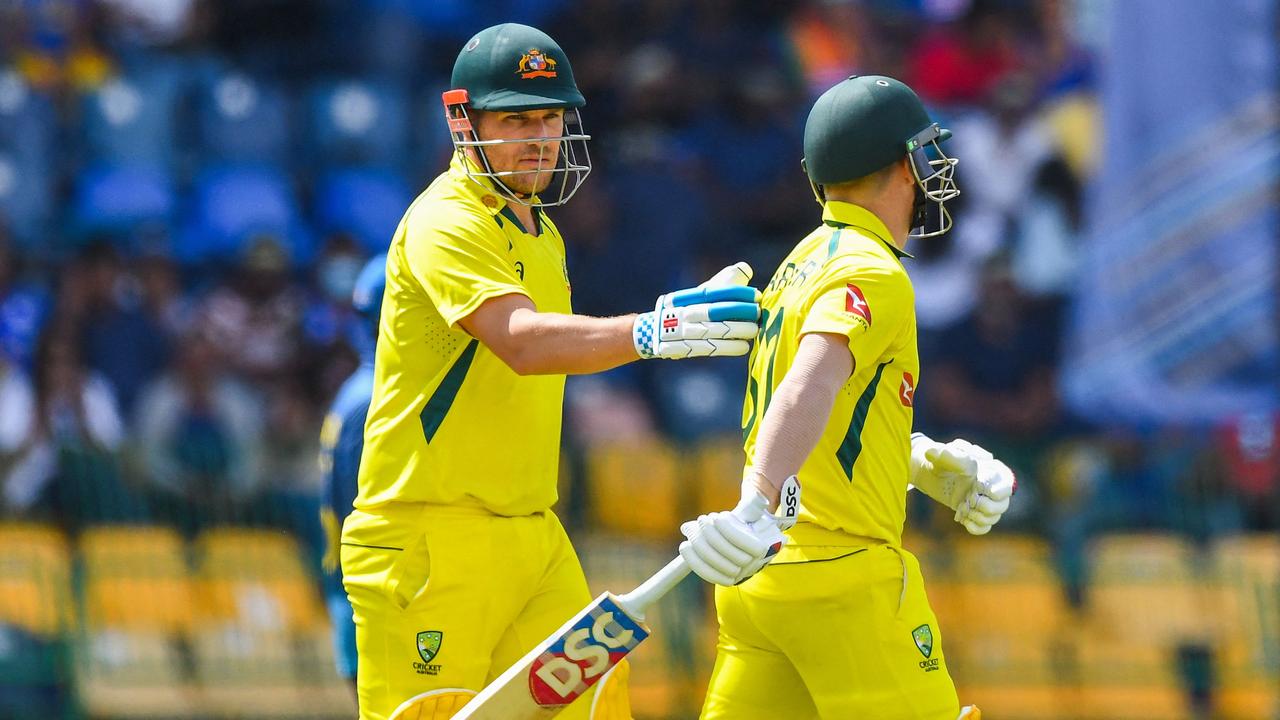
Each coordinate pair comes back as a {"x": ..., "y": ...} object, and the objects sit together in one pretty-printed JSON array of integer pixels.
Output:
[
  {"x": 450, "y": 423},
  {"x": 845, "y": 278}
]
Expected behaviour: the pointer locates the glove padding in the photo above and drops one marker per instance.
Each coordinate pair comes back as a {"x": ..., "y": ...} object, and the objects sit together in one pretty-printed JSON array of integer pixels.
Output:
[
  {"x": 718, "y": 318},
  {"x": 726, "y": 548},
  {"x": 965, "y": 478}
]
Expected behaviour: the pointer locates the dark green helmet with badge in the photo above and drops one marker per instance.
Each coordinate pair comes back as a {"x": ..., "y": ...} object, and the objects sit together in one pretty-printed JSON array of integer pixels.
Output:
[
  {"x": 865, "y": 124},
  {"x": 514, "y": 68}
]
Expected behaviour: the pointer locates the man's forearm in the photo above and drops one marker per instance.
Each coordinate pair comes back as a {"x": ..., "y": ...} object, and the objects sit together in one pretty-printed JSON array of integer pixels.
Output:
[
  {"x": 558, "y": 344},
  {"x": 799, "y": 411}
]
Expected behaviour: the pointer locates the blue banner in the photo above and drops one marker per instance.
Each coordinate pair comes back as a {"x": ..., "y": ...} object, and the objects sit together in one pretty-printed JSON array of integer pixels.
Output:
[{"x": 1176, "y": 311}]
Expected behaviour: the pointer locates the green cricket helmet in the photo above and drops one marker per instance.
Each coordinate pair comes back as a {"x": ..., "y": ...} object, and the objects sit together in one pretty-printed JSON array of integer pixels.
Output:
[
  {"x": 868, "y": 122},
  {"x": 513, "y": 68}
]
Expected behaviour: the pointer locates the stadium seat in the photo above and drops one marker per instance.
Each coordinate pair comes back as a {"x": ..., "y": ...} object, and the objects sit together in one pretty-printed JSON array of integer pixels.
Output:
[
  {"x": 232, "y": 204},
  {"x": 27, "y": 157},
  {"x": 1248, "y": 679},
  {"x": 1247, "y": 604},
  {"x": 247, "y": 672},
  {"x": 1135, "y": 680},
  {"x": 367, "y": 203},
  {"x": 119, "y": 198},
  {"x": 133, "y": 118},
  {"x": 1247, "y": 612},
  {"x": 133, "y": 674},
  {"x": 1012, "y": 573},
  {"x": 1028, "y": 678},
  {"x": 1146, "y": 589},
  {"x": 354, "y": 122},
  {"x": 255, "y": 579},
  {"x": 136, "y": 579},
  {"x": 324, "y": 694},
  {"x": 717, "y": 481},
  {"x": 1004, "y": 626},
  {"x": 634, "y": 489},
  {"x": 243, "y": 119},
  {"x": 35, "y": 579}
]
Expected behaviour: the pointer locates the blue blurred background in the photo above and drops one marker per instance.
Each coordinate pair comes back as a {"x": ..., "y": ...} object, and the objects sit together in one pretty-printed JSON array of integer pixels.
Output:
[{"x": 188, "y": 189}]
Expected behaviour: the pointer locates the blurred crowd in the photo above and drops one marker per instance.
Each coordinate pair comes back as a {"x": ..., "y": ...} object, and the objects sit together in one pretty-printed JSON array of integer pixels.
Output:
[{"x": 188, "y": 189}]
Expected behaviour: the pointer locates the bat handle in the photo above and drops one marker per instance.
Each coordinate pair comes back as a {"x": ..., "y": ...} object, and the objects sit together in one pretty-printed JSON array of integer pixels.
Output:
[{"x": 660, "y": 583}]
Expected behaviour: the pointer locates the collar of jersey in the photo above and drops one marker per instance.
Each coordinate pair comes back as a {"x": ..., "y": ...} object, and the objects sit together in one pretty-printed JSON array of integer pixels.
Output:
[
  {"x": 458, "y": 170},
  {"x": 842, "y": 214}
]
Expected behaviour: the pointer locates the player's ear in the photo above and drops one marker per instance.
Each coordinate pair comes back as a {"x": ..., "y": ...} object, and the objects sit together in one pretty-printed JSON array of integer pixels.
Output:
[{"x": 905, "y": 173}]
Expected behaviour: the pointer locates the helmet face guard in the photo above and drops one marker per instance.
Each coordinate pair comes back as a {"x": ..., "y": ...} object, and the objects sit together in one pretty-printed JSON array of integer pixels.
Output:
[
  {"x": 573, "y": 162},
  {"x": 935, "y": 181}
]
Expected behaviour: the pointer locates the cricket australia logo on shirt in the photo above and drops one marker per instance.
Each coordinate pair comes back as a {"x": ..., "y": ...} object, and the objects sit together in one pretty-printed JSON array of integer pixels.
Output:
[
  {"x": 923, "y": 637},
  {"x": 429, "y": 642}
]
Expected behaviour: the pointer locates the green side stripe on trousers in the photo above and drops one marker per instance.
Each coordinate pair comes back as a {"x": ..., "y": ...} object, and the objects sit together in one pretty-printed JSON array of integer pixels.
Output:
[
  {"x": 851, "y": 448},
  {"x": 442, "y": 399}
]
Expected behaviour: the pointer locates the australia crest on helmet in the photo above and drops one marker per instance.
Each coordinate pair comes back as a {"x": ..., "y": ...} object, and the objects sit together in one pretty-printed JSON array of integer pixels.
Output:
[{"x": 535, "y": 64}]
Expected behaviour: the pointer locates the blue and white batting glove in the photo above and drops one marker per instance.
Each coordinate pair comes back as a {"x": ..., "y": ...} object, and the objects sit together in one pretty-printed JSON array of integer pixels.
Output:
[
  {"x": 965, "y": 478},
  {"x": 728, "y": 547},
  {"x": 718, "y": 318}
]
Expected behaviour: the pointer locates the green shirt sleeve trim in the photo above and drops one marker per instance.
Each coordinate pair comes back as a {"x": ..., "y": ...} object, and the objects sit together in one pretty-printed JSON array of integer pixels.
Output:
[
  {"x": 437, "y": 407},
  {"x": 851, "y": 448}
]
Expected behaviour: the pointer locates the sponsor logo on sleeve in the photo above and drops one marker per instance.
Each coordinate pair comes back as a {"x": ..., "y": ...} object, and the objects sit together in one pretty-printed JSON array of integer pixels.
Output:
[{"x": 855, "y": 303}]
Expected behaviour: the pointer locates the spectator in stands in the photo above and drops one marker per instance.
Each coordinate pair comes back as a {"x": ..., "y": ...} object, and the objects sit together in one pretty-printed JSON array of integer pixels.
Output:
[
  {"x": 18, "y": 398},
  {"x": 959, "y": 63},
  {"x": 752, "y": 178},
  {"x": 1103, "y": 486},
  {"x": 199, "y": 435},
  {"x": 1046, "y": 238},
  {"x": 162, "y": 296},
  {"x": 998, "y": 371},
  {"x": 255, "y": 316},
  {"x": 66, "y": 466},
  {"x": 23, "y": 307},
  {"x": 1249, "y": 446},
  {"x": 60, "y": 51},
  {"x": 122, "y": 337}
]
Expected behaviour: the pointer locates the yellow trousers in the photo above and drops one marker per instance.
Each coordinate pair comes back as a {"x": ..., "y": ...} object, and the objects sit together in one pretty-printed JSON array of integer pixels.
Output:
[
  {"x": 450, "y": 597},
  {"x": 838, "y": 632}
]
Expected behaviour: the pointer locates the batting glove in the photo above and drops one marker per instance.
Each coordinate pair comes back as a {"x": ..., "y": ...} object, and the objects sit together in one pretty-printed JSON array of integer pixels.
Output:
[
  {"x": 717, "y": 318},
  {"x": 726, "y": 548},
  {"x": 965, "y": 478}
]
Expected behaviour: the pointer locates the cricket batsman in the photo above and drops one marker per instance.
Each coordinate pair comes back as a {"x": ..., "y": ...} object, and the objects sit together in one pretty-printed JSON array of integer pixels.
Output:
[
  {"x": 452, "y": 560},
  {"x": 837, "y": 625},
  {"x": 341, "y": 445}
]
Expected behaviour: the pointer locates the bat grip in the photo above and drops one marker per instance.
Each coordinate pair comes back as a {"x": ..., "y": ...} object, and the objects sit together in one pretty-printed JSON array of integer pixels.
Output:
[{"x": 650, "y": 591}]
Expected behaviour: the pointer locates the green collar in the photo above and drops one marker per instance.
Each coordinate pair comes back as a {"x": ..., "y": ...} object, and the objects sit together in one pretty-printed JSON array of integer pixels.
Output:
[
  {"x": 482, "y": 190},
  {"x": 842, "y": 214}
]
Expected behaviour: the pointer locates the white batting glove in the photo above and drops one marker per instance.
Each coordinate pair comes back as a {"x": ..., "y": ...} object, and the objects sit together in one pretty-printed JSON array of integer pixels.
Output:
[
  {"x": 718, "y": 318},
  {"x": 965, "y": 478},
  {"x": 726, "y": 548}
]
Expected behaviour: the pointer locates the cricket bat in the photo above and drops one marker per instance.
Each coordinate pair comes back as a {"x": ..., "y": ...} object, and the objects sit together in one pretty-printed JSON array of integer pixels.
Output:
[{"x": 564, "y": 666}]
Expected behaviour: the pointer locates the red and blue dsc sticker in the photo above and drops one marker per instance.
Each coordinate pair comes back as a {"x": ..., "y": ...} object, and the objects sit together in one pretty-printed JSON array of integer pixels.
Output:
[{"x": 583, "y": 653}]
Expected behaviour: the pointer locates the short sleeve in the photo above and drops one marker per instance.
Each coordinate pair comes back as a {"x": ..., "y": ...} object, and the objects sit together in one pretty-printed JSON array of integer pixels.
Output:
[
  {"x": 458, "y": 264},
  {"x": 868, "y": 306}
]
